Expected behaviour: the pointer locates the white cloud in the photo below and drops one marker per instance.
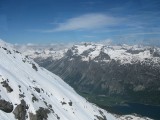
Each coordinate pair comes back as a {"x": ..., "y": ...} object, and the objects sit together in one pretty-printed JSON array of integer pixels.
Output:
[
  {"x": 31, "y": 44},
  {"x": 107, "y": 41},
  {"x": 87, "y": 21}
]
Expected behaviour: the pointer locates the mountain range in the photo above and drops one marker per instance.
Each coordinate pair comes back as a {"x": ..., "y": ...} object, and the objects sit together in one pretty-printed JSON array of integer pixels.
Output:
[
  {"x": 127, "y": 72},
  {"x": 30, "y": 92}
]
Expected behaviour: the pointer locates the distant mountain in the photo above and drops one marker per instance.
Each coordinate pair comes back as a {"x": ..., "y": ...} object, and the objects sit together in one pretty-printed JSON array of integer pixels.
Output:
[
  {"x": 130, "y": 72},
  {"x": 30, "y": 92}
]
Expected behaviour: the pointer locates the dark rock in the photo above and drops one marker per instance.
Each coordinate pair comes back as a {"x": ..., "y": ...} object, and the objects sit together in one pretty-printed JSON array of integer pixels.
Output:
[
  {"x": 42, "y": 90},
  {"x": 102, "y": 56},
  {"x": 24, "y": 61},
  {"x": 34, "y": 98},
  {"x": 32, "y": 116},
  {"x": 70, "y": 103},
  {"x": 50, "y": 106},
  {"x": 21, "y": 95},
  {"x": 37, "y": 89},
  {"x": 63, "y": 103},
  {"x": 45, "y": 103},
  {"x": 42, "y": 113},
  {"x": 156, "y": 54},
  {"x": 58, "y": 118},
  {"x": 34, "y": 67},
  {"x": 17, "y": 51},
  {"x": 36, "y": 53},
  {"x": 6, "y": 106},
  {"x": 6, "y": 85},
  {"x": 69, "y": 53},
  {"x": 4, "y": 48},
  {"x": 9, "y": 52},
  {"x": 20, "y": 111},
  {"x": 100, "y": 118},
  {"x": 134, "y": 51},
  {"x": 86, "y": 53}
]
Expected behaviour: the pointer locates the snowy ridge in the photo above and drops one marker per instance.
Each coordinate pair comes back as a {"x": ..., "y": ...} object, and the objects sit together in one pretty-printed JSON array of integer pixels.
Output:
[
  {"x": 28, "y": 90},
  {"x": 90, "y": 51},
  {"x": 123, "y": 53}
]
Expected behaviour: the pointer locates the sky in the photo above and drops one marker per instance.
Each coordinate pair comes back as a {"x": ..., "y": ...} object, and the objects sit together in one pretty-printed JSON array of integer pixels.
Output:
[{"x": 66, "y": 21}]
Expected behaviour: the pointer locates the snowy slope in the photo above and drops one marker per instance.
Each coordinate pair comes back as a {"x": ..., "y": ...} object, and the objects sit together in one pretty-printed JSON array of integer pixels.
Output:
[{"x": 33, "y": 91}]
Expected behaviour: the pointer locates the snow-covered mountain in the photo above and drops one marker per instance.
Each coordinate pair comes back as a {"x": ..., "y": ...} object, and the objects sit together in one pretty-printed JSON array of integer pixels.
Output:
[
  {"x": 122, "y": 53},
  {"x": 130, "y": 72},
  {"x": 45, "y": 53},
  {"x": 90, "y": 51},
  {"x": 30, "y": 92}
]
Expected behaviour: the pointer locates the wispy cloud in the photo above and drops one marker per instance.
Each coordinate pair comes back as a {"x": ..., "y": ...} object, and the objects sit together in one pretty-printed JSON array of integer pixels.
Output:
[{"x": 85, "y": 22}]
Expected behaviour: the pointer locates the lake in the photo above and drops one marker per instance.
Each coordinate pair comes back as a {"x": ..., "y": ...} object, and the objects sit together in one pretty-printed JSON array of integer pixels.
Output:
[{"x": 130, "y": 108}]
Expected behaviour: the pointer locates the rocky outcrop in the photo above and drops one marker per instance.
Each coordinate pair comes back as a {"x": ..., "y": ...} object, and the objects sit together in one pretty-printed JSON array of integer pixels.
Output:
[
  {"x": 20, "y": 111},
  {"x": 6, "y": 106},
  {"x": 6, "y": 85},
  {"x": 41, "y": 114},
  {"x": 37, "y": 89},
  {"x": 34, "y": 67}
]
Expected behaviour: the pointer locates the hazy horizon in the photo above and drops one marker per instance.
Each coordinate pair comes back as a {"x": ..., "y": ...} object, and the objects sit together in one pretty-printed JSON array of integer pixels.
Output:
[{"x": 53, "y": 21}]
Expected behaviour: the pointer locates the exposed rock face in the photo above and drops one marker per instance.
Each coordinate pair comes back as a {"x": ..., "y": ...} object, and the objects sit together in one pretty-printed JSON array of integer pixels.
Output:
[
  {"x": 6, "y": 85},
  {"x": 32, "y": 116},
  {"x": 34, "y": 67},
  {"x": 20, "y": 111},
  {"x": 102, "y": 56},
  {"x": 6, "y": 106},
  {"x": 41, "y": 114},
  {"x": 37, "y": 89}
]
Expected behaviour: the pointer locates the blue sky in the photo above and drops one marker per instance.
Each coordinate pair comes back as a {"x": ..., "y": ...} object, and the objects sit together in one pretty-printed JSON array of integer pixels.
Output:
[{"x": 62, "y": 21}]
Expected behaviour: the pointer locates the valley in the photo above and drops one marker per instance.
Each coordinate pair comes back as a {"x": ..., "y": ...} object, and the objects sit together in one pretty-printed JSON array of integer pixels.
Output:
[
  {"x": 79, "y": 59},
  {"x": 109, "y": 76}
]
